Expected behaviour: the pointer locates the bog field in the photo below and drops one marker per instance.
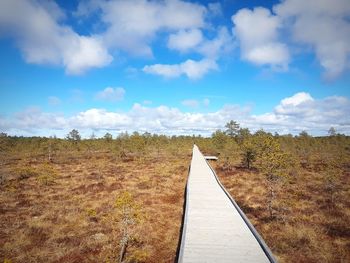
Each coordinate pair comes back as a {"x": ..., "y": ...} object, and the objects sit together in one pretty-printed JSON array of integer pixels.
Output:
[{"x": 121, "y": 199}]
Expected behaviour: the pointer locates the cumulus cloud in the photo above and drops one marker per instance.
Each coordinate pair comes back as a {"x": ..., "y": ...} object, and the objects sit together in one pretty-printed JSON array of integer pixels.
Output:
[
  {"x": 43, "y": 39},
  {"x": 223, "y": 43},
  {"x": 85, "y": 53},
  {"x": 193, "y": 40},
  {"x": 257, "y": 32},
  {"x": 215, "y": 8},
  {"x": 100, "y": 119},
  {"x": 302, "y": 112},
  {"x": 42, "y": 32},
  {"x": 292, "y": 115},
  {"x": 111, "y": 94},
  {"x": 185, "y": 40},
  {"x": 294, "y": 103},
  {"x": 133, "y": 24},
  {"x": 192, "y": 69},
  {"x": 323, "y": 25},
  {"x": 35, "y": 118}
]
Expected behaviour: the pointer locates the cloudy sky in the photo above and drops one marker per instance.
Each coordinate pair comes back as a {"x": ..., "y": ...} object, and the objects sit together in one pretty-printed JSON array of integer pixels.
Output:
[{"x": 173, "y": 66}]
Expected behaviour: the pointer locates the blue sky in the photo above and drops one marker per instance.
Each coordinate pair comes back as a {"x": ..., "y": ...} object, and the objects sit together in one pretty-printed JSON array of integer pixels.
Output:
[{"x": 174, "y": 67}]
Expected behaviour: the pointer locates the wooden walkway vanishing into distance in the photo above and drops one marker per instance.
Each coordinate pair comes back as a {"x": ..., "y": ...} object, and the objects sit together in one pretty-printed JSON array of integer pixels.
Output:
[{"x": 214, "y": 228}]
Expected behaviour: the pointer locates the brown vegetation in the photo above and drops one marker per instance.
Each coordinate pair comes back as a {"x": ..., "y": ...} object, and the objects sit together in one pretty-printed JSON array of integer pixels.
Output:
[
  {"x": 311, "y": 221},
  {"x": 65, "y": 210},
  {"x": 65, "y": 200}
]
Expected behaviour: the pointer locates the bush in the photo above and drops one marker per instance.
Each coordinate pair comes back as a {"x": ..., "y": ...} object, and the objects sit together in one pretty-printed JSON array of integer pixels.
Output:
[
  {"x": 25, "y": 172},
  {"x": 47, "y": 174},
  {"x": 138, "y": 256}
]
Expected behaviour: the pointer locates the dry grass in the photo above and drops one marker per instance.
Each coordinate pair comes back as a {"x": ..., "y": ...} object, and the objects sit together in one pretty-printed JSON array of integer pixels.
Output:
[
  {"x": 64, "y": 211},
  {"x": 307, "y": 226}
]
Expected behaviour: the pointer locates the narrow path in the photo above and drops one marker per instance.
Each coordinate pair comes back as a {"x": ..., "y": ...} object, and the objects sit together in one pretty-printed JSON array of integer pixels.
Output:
[{"x": 214, "y": 228}]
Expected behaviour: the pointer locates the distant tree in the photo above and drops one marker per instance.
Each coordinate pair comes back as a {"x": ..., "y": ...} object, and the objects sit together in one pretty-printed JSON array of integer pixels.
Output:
[
  {"x": 51, "y": 147},
  {"x": 74, "y": 136},
  {"x": 3, "y": 135},
  {"x": 261, "y": 132},
  {"x": 248, "y": 152},
  {"x": 138, "y": 143},
  {"x": 147, "y": 135},
  {"x": 108, "y": 136},
  {"x": 92, "y": 136},
  {"x": 242, "y": 135},
  {"x": 226, "y": 147},
  {"x": 232, "y": 128},
  {"x": 332, "y": 131},
  {"x": 122, "y": 140},
  {"x": 272, "y": 162},
  {"x": 123, "y": 135},
  {"x": 219, "y": 139},
  {"x": 304, "y": 134}
]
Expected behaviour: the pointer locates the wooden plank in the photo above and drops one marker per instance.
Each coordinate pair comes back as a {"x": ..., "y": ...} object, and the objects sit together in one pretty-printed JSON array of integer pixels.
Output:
[
  {"x": 214, "y": 230},
  {"x": 214, "y": 158}
]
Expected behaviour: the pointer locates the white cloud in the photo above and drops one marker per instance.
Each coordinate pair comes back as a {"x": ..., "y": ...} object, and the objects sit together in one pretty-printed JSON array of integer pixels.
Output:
[
  {"x": 43, "y": 36},
  {"x": 324, "y": 25},
  {"x": 193, "y": 40},
  {"x": 100, "y": 119},
  {"x": 292, "y": 103},
  {"x": 133, "y": 24},
  {"x": 302, "y": 112},
  {"x": 168, "y": 71},
  {"x": 190, "y": 103},
  {"x": 215, "y": 8},
  {"x": 192, "y": 69},
  {"x": 223, "y": 43},
  {"x": 34, "y": 118},
  {"x": 85, "y": 53},
  {"x": 292, "y": 115},
  {"x": 43, "y": 39},
  {"x": 42, "y": 32},
  {"x": 111, "y": 94},
  {"x": 257, "y": 32},
  {"x": 185, "y": 40}
]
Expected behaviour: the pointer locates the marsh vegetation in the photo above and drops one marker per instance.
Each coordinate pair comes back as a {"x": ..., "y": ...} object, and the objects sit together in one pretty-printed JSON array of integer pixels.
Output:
[{"x": 121, "y": 199}]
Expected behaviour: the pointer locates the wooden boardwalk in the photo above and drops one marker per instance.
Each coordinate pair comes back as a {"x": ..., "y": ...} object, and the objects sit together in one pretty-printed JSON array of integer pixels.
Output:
[{"x": 214, "y": 228}]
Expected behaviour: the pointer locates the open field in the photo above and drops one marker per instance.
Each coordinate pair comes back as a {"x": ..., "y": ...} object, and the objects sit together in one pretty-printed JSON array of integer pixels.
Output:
[
  {"x": 58, "y": 197},
  {"x": 311, "y": 205},
  {"x": 63, "y": 211},
  {"x": 308, "y": 228}
]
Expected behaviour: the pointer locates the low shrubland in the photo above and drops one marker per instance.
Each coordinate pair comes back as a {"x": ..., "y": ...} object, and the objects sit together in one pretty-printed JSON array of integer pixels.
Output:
[{"x": 121, "y": 199}]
